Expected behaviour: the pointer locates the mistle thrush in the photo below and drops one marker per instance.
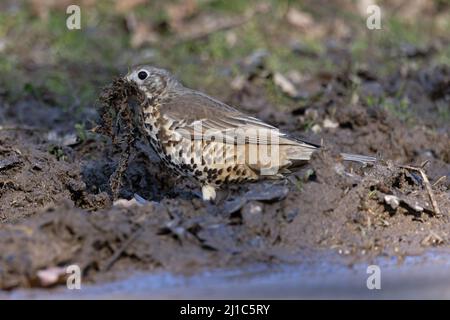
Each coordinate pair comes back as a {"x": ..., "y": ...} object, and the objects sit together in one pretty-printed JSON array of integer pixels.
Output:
[{"x": 200, "y": 137}]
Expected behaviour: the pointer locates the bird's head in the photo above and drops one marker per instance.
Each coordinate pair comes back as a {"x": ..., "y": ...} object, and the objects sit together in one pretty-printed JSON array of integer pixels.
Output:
[{"x": 150, "y": 80}]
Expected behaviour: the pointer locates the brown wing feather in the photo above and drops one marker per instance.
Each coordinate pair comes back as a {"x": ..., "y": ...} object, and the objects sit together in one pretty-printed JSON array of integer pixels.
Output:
[{"x": 219, "y": 118}]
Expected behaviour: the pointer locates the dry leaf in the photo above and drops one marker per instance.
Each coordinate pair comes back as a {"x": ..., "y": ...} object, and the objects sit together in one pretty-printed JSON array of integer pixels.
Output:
[
  {"x": 299, "y": 18},
  {"x": 123, "y": 6},
  {"x": 51, "y": 276},
  {"x": 180, "y": 11},
  {"x": 285, "y": 85},
  {"x": 141, "y": 32}
]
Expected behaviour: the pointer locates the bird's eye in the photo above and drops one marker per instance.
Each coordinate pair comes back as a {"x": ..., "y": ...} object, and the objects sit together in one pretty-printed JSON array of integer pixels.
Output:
[{"x": 142, "y": 75}]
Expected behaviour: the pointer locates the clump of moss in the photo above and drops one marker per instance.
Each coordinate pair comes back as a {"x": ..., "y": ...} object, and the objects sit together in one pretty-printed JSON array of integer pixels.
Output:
[
  {"x": 118, "y": 120},
  {"x": 116, "y": 109}
]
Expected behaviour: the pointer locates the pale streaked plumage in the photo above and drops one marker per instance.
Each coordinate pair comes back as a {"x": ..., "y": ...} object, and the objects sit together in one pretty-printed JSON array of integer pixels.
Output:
[{"x": 181, "y": 124}]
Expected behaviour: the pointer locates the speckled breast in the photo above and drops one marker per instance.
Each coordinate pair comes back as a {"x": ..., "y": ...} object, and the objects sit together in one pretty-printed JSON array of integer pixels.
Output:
[{"x": 208, "y": 162}]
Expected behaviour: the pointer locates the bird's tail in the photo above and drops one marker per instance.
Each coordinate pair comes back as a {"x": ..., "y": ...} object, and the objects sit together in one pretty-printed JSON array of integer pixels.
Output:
[{"x": 303, "y": 152}]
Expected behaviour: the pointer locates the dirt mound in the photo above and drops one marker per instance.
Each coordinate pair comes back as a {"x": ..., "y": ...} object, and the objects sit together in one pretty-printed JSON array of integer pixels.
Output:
[
  {"x": 32, "y": 178},
  {"x": 56, "y": 199},
  {"x": 331, "y": 206}
]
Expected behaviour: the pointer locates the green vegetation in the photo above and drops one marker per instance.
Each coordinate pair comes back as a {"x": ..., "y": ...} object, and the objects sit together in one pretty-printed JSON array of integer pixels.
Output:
[
  {"x": 40, "y": 57},
  {"x": 58, "y": 152}
]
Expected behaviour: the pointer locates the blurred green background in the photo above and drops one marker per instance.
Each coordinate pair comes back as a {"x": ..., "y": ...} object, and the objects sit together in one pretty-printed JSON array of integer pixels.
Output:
[{"x": 209, "y": 44}]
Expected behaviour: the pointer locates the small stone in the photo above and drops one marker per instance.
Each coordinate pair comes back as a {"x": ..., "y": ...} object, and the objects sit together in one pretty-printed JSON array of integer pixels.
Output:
[
  {"x": 392, "y": 201},
  {"x": 268, "y": 193},
  {"x": 234, "y": 205},
  {"x": 327, "y": 123},
  {"x": 316, "y": 128},
  {"x": 9, "y": 162}
]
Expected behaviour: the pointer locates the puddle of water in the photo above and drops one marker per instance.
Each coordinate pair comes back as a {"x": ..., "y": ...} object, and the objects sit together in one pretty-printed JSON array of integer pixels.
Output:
[{"x": 319, "y": 276}]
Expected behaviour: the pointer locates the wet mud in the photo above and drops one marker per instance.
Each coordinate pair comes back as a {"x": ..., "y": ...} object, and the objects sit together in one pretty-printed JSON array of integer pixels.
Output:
[{"x": 66, "y": 200}]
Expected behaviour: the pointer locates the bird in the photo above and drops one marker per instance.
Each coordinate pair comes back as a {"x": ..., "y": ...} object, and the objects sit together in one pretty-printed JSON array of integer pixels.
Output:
[{"x": 200, "y": 137}]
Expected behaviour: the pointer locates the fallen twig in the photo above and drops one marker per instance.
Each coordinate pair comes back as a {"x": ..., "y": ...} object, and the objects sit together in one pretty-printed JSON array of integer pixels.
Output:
[
  {"x": 427, "y": 184},
  {"x": 116, "y": 255},
  {"x": 439, "y": 181}
]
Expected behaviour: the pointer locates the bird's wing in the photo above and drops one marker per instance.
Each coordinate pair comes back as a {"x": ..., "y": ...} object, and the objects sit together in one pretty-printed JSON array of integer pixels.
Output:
[{"x": 196, "y": 115}]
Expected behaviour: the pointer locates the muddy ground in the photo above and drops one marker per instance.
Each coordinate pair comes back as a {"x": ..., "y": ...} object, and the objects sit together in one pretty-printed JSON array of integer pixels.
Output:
[
  {"x": 65, "y": 188},
  {"x": 57, "y": 206}
]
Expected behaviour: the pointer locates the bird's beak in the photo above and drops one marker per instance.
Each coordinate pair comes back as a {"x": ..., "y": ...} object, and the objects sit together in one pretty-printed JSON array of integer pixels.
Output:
[{"x": 129, "y": 77}]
